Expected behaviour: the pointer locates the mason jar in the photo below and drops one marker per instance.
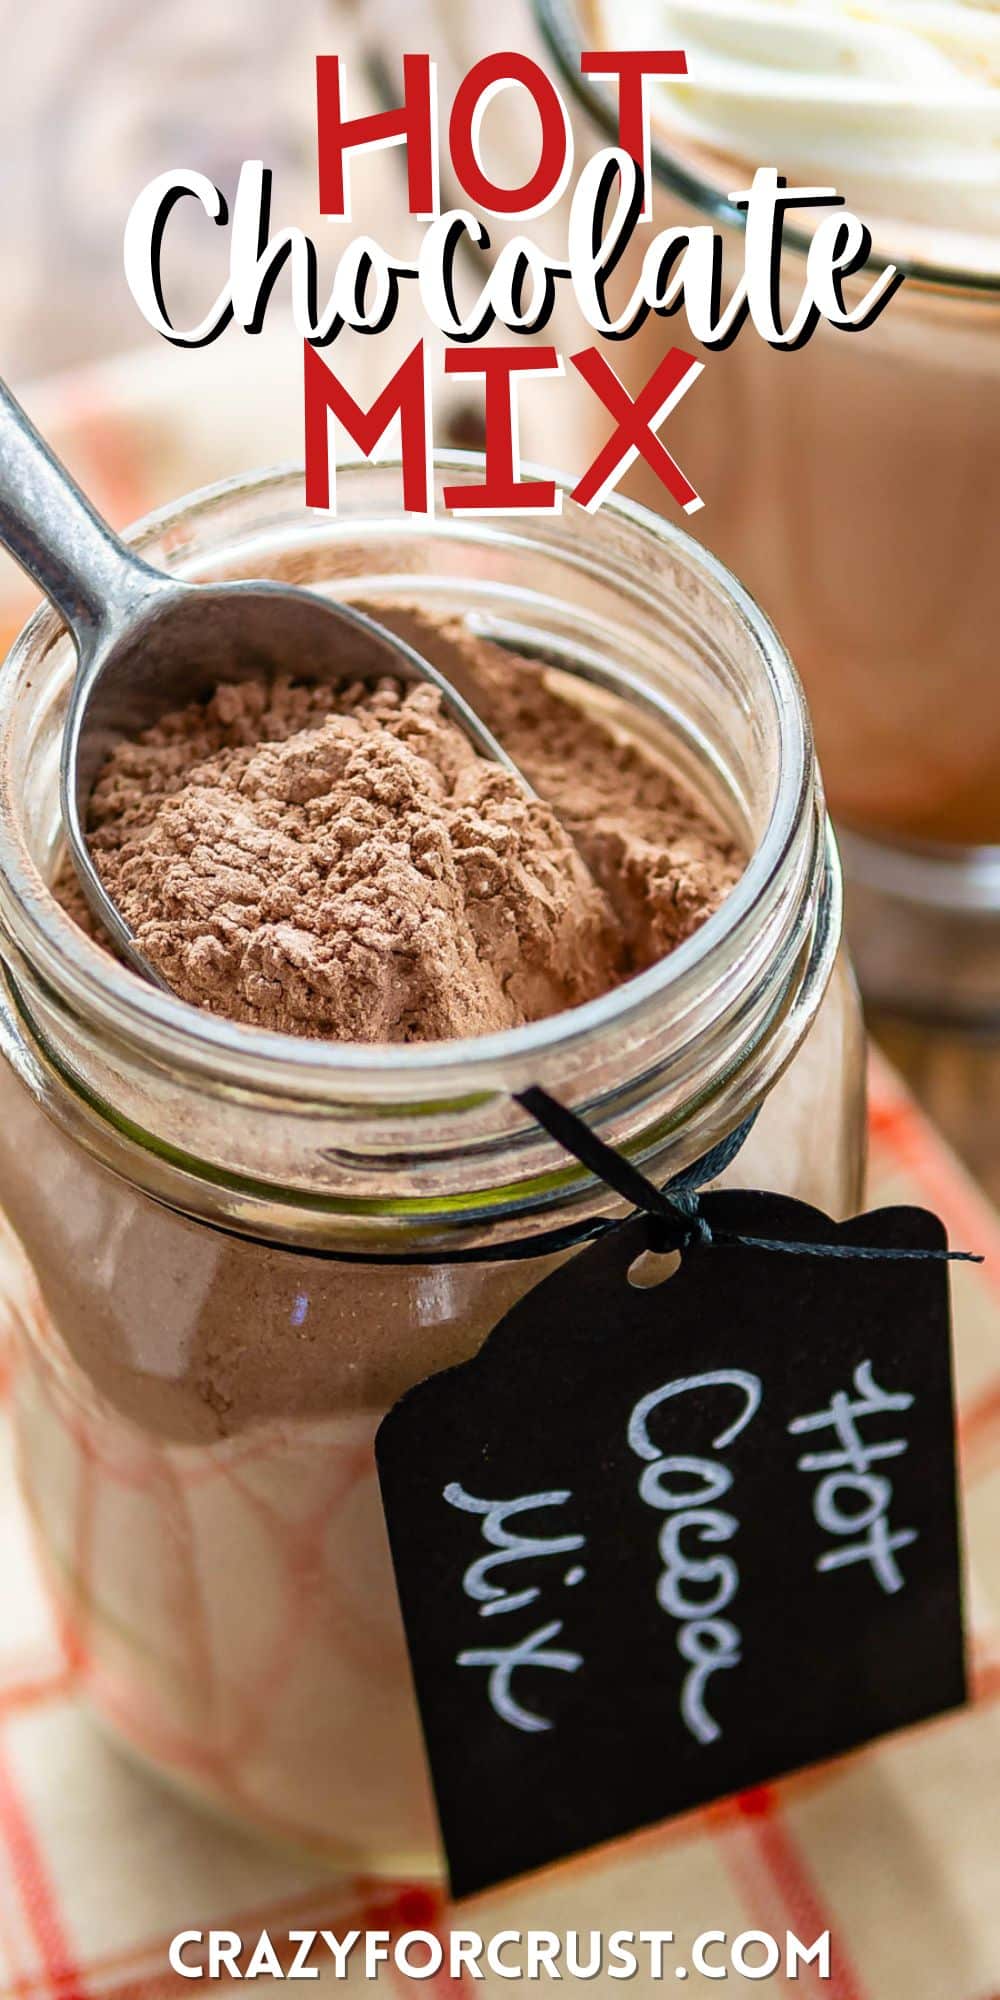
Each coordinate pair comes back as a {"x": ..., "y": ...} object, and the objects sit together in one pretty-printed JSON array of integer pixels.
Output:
[
  {"x": 854, "y": 486},
  {"x": 229, "y": 1252}
]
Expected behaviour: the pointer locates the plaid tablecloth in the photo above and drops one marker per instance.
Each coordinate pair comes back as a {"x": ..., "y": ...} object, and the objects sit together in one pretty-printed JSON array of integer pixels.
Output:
[{"x": 895, "y": 1848}]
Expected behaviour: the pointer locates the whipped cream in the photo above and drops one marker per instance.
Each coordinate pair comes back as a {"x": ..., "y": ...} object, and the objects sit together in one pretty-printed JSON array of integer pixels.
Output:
[{"x": 896, "y": 103}]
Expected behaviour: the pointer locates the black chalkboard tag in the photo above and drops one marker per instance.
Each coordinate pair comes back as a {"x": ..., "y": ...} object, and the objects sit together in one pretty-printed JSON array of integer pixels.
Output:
[{"x": 654, "y": 1546}]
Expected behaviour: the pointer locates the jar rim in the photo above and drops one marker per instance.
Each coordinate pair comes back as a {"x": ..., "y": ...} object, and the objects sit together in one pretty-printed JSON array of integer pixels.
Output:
[
  {"x": 558, "y": 28},
  {"x": 82, "y": 975}
]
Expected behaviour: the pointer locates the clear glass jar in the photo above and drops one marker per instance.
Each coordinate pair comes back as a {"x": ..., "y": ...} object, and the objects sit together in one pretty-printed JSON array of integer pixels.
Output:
[
  {"x": 854, "y": 486},
  {"x": 204, "y": 1220}
]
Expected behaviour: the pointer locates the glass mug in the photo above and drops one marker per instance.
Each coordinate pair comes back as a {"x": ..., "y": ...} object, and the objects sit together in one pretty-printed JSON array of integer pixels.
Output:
[
  {"x": 854, "y": 486},
  {"x": 208, "y": 1227}
]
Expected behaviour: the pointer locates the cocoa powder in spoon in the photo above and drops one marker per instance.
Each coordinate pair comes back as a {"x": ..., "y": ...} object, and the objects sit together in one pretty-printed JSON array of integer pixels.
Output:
[{"x": 343, "y": 863}]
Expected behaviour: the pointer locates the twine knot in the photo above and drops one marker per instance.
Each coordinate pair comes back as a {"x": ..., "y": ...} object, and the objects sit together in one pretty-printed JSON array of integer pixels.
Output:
[{"x": 673, "y": 1216}]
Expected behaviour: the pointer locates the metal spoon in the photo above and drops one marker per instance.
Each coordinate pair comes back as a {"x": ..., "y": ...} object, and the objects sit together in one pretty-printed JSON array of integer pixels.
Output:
[{"x": 147, "y": 643}]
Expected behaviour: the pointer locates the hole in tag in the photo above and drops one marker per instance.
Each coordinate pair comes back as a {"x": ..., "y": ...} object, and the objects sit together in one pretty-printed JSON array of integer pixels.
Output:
[{"x": 652, "y": 1268}]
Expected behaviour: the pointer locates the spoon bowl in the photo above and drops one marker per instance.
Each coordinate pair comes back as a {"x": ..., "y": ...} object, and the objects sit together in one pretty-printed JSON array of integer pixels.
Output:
[
  {"x": 148, "y": 643},
  {"x": 182, "y": 642}
]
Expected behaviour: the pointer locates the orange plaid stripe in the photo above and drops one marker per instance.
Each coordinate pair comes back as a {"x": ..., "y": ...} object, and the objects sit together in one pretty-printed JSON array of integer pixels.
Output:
[{"x": 778, "y": 1885}]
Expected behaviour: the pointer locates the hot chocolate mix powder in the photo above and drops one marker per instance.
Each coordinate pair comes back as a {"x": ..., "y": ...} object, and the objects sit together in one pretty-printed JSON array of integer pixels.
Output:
[{"x": 341, "y": 862}]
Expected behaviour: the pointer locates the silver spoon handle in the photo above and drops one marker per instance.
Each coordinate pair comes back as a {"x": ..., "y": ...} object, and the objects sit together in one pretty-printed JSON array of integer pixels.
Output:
[{"x": 56, "y": 535}]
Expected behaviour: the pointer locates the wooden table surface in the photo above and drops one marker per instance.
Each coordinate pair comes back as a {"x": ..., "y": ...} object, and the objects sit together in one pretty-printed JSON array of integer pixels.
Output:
[{"x": 957, "y": 1080}]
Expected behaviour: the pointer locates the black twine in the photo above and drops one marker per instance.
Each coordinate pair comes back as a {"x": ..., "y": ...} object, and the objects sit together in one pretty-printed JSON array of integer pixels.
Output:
[{"x": 674, "y": 1216}]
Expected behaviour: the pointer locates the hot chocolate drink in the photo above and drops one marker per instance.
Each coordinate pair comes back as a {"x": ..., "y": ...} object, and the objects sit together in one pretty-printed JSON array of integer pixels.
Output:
[{"x": 854, "y": 484}]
